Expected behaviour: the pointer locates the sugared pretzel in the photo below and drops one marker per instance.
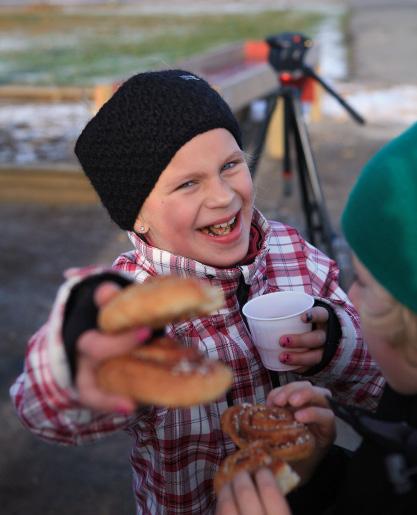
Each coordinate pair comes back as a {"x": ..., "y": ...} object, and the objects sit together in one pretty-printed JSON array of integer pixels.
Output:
[
  {"x": 250, "y": 459},
  {"x": 286, "y": 438}
]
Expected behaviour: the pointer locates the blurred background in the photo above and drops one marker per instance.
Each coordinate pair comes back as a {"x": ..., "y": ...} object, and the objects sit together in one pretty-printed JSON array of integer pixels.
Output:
[{"x": 59, "y": 61}]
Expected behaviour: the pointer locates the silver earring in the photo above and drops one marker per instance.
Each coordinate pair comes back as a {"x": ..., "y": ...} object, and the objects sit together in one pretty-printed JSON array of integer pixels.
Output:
[{"x": 142, "y": 228}]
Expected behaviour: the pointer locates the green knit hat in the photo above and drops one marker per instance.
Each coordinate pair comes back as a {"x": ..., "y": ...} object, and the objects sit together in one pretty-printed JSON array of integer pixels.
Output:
[{"x": 380, "y": 218}]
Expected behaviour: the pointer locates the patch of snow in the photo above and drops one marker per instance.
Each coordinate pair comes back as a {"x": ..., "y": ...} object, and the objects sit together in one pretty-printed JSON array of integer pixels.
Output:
[
  {"x": 40, "y": 132},
  {"x": 332, "y": 50},
  {"x": 397, "y": 104}
]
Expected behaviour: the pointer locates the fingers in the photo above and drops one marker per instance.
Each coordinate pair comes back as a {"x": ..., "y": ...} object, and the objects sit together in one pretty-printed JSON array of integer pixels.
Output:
[
  {"x": 315, "y": 315},
  {"x": 239, "y": 497},
  {"x": 246, "y": 496},
  {"x": 105, "y": 292},
  {"x": 305, "y": 350},
  {"x": 273, "y": 500},
  {"x": 101, "y": 346},
  {"x": 226, "y": 502},
  {"x": 302, "y": 360},
  {"x": 297, "y": 394},
  {"x": 93, "y": 347},
  {"x": 310, "y": 340},
  {"x": 314, "y": 415},
  {"x": 310, "y": 406},
  {"x": 94, "y": 398}
]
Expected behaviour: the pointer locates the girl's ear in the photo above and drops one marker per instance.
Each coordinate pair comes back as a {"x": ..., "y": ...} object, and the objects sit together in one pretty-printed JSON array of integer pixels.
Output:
[{"x": 140, "y": 226}]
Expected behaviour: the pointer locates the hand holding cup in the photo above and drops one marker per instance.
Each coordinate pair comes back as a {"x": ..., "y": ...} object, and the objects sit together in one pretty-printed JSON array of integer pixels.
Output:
[{"x": 281, "y": 324}]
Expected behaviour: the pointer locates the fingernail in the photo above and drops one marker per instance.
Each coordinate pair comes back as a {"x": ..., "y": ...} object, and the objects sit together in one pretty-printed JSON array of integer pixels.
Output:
[
  {"x": 284, "y": 358},
  {"x": 300, "y": 416},
  {"x": 124, "y": 409},
  {"x": 308, "y": 317},
  {"x": 295, "y": 398},
  {"x": 285, "y": 341},
  {"x": 142, "y": 334},
  {"x": 280, "y": 398}
]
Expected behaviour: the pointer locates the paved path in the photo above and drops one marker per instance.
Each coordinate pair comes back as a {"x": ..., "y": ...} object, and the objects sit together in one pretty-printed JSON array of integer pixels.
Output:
[{"x": 384, "y": 35}]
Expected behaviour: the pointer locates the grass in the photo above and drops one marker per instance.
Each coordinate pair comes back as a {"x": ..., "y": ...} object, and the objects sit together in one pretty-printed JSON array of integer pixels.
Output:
[{"x": 55, "y": 47}]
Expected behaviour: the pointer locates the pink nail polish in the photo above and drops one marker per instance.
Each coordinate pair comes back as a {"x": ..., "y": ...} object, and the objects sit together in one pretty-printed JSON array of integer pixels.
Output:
[
  {"x": 284, "y": 341},
  {"x": 123, "y": 409},
  {"x": 284, "y": 358},
  {"x": 142, "y": 334}
]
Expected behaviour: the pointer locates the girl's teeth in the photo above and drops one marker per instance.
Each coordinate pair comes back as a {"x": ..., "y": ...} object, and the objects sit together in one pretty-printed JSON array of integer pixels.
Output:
[
  {"x": 224, "y": 225},
  {"x": 220, "y": 229}
]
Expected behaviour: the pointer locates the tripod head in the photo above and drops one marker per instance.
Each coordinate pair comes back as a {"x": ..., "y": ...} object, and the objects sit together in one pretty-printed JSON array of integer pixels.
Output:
[
  {"x": 287, "y": 52},
  {"x": 286, "y": 55}
]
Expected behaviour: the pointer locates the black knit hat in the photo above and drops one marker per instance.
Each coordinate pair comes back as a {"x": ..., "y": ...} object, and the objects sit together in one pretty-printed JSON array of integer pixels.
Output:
[{"x": 133, "y": 137}]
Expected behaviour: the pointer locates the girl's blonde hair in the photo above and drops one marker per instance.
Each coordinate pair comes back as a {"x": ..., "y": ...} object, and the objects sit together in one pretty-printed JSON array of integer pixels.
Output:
[{"x": 396, "y": 324}]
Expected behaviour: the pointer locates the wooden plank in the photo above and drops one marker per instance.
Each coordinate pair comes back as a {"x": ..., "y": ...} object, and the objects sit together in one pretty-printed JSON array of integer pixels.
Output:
[
  {"x": 45, "y": 93},
  {"x": 218, "y": 59},
  {"x": 241, "y": 88},
  {"x": 46, "y": 184}
]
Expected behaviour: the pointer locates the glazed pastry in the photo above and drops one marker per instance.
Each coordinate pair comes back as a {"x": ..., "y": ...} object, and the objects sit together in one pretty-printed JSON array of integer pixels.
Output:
[
  {"x": 162, "y": 372},
  {"x": 165, "y": 373},
  {"x": 159, "y": 301}
]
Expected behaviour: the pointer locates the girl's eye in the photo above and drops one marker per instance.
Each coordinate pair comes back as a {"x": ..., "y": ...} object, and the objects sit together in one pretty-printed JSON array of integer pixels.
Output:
[
  {"x": 186, "y": 185},
  {"x": 229, "y": 166}
]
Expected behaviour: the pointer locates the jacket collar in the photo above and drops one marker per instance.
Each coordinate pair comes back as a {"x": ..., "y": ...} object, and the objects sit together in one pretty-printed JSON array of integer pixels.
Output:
[{"x": 162, "y": 262}]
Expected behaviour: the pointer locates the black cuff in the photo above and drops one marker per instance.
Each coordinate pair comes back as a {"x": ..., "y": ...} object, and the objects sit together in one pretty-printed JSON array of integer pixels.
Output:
[
  {"x": 319, "y": 495},
  {"x": 81, "y": 312},
  {"x": 333, "y": 335}
]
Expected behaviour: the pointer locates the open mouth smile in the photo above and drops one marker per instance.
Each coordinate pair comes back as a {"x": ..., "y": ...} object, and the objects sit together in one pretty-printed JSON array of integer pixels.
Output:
[{"x": 222, "y": 229}]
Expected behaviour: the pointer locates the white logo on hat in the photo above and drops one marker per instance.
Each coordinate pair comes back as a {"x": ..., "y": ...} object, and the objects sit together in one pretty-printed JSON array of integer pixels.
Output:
[{"x": 189, "y": 77}]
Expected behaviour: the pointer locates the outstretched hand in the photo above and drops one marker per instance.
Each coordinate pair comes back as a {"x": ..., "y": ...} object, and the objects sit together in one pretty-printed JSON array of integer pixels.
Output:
[{"x": 93, "y": 347}]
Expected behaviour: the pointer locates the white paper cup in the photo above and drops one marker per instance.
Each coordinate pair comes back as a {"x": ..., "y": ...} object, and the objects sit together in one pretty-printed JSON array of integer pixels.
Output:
[{"x": 273, "y": 315}]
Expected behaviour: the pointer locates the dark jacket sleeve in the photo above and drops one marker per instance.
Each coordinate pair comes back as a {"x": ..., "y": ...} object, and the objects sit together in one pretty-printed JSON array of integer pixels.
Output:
[{"x": 81, "y": 311}]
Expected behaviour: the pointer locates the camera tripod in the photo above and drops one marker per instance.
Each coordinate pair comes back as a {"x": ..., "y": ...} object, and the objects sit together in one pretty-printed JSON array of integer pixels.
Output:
[{"x": 287, "y": 51}]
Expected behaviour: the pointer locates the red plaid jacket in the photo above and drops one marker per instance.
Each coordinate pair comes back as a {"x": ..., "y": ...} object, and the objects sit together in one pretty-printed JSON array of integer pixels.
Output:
[{"x": 177, "y": 451}]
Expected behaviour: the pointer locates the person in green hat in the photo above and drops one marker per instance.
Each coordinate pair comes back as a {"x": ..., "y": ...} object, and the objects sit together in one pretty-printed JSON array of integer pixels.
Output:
[{"x": 380, "y": 224}]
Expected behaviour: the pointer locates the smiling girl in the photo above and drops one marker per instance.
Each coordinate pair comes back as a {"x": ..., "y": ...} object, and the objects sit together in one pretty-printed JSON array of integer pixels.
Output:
[{"x": 165, "y": 156}]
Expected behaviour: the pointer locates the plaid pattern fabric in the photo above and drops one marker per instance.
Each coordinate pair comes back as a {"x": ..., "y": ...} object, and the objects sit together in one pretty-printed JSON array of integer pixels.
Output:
[{"x": 177, "y": 452}]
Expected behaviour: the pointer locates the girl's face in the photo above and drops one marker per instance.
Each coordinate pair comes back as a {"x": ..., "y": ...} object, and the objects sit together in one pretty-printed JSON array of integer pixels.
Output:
[
  {"x": 367, "y": 294},
  {"x": 201, "y": 206}
]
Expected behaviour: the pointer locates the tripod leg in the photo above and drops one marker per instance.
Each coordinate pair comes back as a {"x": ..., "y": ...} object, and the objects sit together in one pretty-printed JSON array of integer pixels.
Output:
[
  {"x": 286, "y": 160},
  {"x": 317, "y": 205},
  {"x": 301, "y": 169},
  {"x": 271, "y": 103}
]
